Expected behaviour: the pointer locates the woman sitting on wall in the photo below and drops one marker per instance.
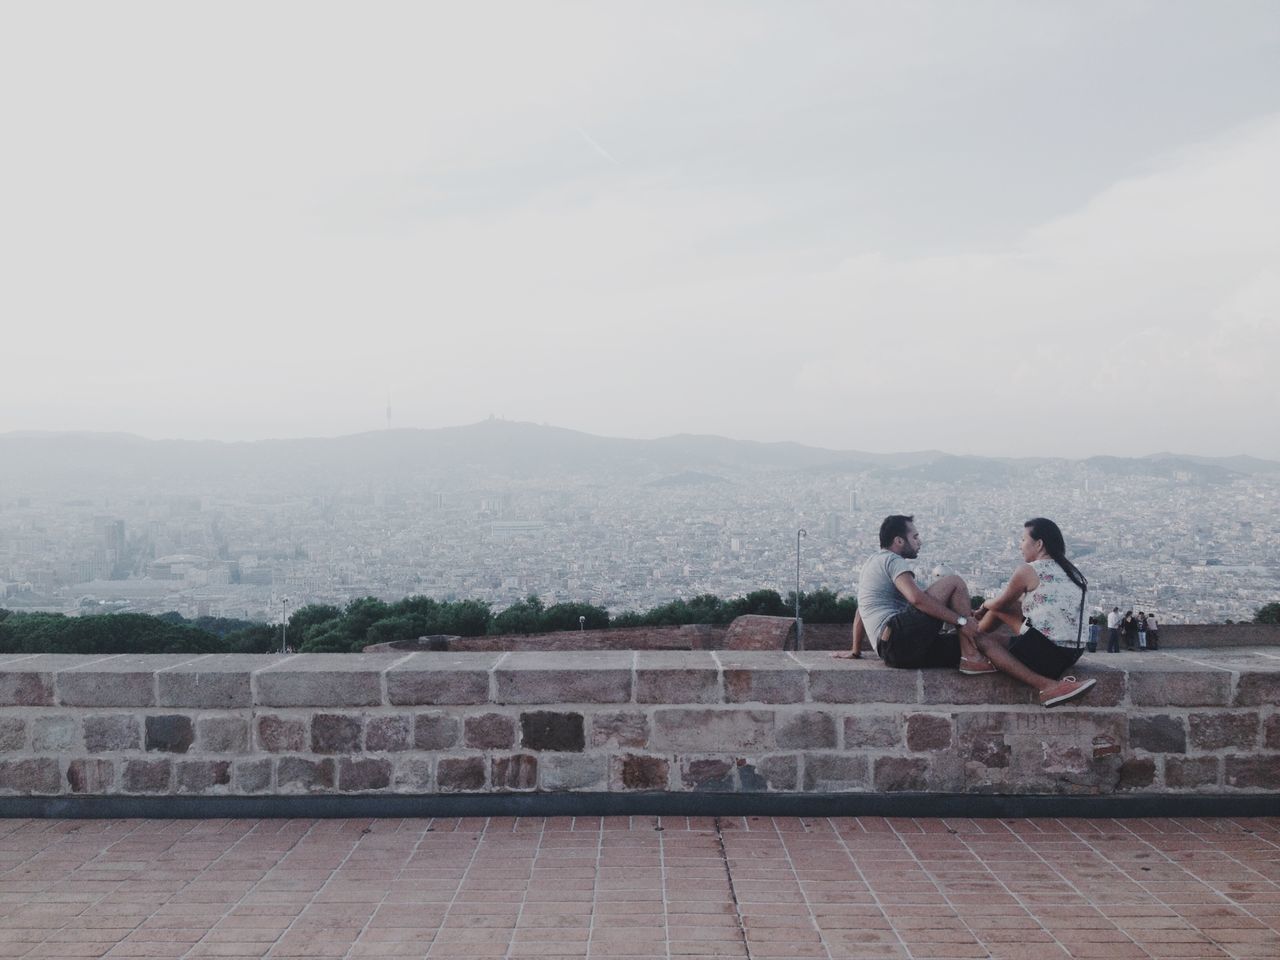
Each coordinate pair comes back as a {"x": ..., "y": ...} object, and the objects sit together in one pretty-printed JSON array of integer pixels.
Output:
[{"x": 1043, "y": 604}]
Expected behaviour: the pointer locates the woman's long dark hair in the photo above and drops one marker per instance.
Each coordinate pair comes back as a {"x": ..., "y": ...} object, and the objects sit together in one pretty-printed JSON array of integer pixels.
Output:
[{"x": 1047, "y": 532}]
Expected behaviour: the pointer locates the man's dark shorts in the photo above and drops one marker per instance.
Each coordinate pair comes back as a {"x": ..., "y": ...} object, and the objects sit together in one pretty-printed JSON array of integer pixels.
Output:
[{"x": 915, "y": 640}]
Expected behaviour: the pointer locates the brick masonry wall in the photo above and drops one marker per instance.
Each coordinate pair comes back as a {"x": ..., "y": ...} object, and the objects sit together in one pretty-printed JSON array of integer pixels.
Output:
[{"x": 424, "y": 723}]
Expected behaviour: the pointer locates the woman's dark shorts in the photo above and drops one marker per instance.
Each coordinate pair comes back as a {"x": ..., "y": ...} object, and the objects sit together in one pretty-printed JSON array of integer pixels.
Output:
[
  {"x": 915, "y": 640},
  {"x": 1039, "y": 653}
]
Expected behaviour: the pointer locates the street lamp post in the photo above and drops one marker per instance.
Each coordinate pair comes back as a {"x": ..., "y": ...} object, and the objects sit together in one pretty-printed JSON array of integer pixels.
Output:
[
  {"x": 284, "y": 624},
  {"x": 582, "y": 624},
  {"x": 800, "y": 535}
]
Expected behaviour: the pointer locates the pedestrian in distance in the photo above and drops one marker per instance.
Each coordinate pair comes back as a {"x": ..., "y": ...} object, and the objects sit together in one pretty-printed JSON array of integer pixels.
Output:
[
  {"x": 1113, "y": 630},
  {"x": 1129, "y": 627}
]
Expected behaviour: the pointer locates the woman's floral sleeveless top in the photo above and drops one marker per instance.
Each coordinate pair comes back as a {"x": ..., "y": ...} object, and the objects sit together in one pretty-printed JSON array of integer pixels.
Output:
[{"x": 1053, "y": 608}]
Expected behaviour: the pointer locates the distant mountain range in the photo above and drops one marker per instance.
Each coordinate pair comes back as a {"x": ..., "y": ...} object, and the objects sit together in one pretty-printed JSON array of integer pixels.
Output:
[{"x": 524, "y": 449}]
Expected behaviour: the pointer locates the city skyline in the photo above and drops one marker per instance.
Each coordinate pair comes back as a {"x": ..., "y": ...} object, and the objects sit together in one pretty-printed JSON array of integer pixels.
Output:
[{"x": 499, "y": 510}]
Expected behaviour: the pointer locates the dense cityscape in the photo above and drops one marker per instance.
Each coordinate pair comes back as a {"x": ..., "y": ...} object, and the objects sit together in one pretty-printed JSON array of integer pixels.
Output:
[{"x": 1194, "y": 545}]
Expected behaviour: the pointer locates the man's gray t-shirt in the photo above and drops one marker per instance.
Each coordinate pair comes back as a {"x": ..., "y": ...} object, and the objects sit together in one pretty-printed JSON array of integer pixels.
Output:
[{"x": 878, "y": 598}]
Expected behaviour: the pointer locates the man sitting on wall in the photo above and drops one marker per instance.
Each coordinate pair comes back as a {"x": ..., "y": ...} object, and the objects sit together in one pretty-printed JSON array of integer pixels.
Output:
[{"x": 905, "y": 622}]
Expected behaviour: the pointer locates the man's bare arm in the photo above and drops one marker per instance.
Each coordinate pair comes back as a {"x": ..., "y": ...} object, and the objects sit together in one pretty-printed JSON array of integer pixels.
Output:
[
  {"x": 859, "y": 640},
  {"x": 923, "y": 601}
]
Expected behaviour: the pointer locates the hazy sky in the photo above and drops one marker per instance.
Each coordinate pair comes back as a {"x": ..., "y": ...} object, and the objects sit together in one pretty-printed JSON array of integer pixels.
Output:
[{"x": 988, "y": 227}]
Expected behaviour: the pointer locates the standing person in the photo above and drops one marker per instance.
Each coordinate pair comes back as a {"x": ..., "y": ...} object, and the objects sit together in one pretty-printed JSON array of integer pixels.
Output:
[
  {"x": 1113, "y": 630},
  {"x": 1142, "y": 630},
  {"x": 1129, "y": 627},
  {"x": 1044, "y": 604},
  {"x": 1153, "y": 632},
  {"x": 1095, "y": 631},
  {"x": 905, "y": 623}
]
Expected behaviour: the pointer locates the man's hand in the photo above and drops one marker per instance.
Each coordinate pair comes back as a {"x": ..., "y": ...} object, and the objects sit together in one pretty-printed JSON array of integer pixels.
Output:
[{"x": 970, "y": 631}]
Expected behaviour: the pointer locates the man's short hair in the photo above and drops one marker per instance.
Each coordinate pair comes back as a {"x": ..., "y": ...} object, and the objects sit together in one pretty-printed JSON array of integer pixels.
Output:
[{"x": 895, "y": 525}]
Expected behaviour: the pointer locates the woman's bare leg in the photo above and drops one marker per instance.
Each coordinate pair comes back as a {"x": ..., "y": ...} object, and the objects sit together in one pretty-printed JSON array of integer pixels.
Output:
[{"x": 996, "y": 649}]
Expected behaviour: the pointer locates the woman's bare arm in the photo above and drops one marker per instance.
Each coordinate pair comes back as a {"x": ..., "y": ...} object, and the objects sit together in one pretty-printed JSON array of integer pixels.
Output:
[{"x": 1006, "y": 607}]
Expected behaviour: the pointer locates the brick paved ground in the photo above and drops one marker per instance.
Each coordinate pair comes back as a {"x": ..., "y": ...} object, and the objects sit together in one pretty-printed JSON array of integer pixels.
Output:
[{"x": 641, "y": 887}]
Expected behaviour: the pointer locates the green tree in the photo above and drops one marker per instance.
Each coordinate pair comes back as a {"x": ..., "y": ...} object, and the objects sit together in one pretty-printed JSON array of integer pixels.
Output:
[
  {"x": 1268, "y": 614},
  {"x": 464, "y": 618},
  {"x": 310, "y": 615},
  {"x": 524, "y": 616}
]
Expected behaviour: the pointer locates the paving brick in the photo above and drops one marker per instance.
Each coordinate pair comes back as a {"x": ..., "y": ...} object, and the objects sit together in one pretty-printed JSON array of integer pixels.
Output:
[
  {"x": 1158, "y": 734},
  {"x": 807, "y": 728},
  {"x": 518, "y": 772},
  {"x": 1214, "y": 731},
  {"x": 389, "y": 734},
  {"x": 713, "y": 730},
  {"x": 441, "y": 678},
  {"x": 593, "y": 677},
  {"x": 111, "y": 731},
  {"x": 490, "y": 731},
  {"x": 435, "y": 731},
  {"x": 91, "y": 776},
  {"x": 336, "y": 733},
  {"x": 324, "y": 680},
  {"x": 619, "y": 729},
  {"x": 169, "y": 733}
]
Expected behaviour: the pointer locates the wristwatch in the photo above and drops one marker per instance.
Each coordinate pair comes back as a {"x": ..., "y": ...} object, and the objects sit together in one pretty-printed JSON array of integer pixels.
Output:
[{"x": 962, "y": 621}]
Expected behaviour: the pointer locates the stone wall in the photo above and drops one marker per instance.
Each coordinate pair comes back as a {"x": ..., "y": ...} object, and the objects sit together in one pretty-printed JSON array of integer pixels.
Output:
[{"x": 444, "y": 723}]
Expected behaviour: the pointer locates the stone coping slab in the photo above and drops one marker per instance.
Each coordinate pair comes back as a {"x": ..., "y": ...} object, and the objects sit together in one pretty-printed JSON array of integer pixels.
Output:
[{"x": 1238, "y": 677}]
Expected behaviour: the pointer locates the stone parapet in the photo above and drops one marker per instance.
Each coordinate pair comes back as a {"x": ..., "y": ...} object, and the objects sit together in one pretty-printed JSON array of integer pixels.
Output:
[{"x": 616, "y": 721}]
